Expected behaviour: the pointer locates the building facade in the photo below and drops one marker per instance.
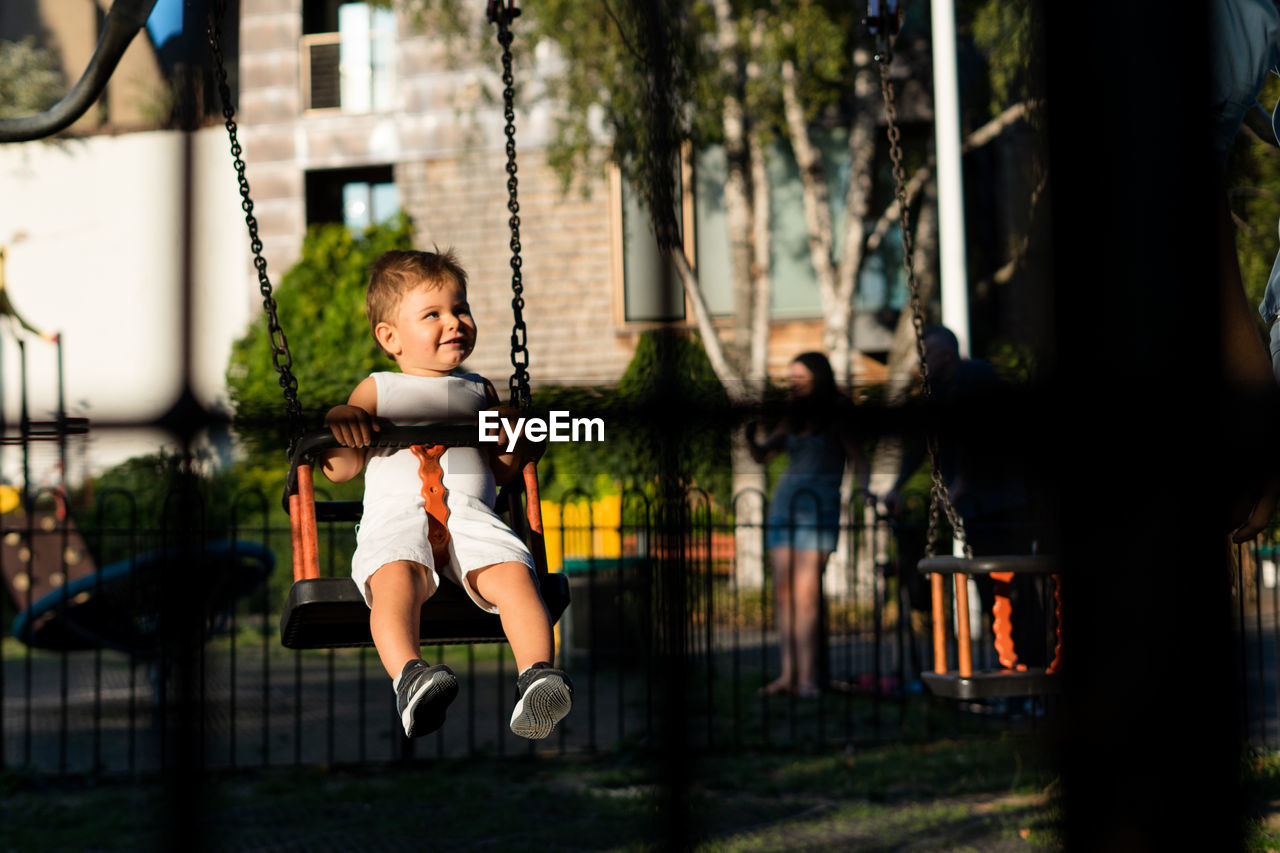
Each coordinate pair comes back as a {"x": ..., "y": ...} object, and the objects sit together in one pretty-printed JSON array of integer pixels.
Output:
[
  {"x": 349, "y": 114},
  {"x": 351, "y": 111}
]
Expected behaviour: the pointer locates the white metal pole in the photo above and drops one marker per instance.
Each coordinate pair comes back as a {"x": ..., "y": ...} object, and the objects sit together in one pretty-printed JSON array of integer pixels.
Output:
[{"x": 946, "y": 127}]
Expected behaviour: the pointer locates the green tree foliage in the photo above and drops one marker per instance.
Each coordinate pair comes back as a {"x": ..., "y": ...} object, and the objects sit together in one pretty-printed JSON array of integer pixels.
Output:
[
  {"x": 1002, "y": 69},
  {"x": 31, "y": 79},
  {"x": 643, "y": 69},
  {"x": 646, "y": 76},
  {"x": 131, "y": 507},
  {"x": 681, "y": 411},
  {"x": 653, "y": 76},
  {"x": 1006, "y": 33},
  {"x": 1253, "y": 187},
  {"x": 320, "y": 303},
  {"x": 669, "y": 413}
]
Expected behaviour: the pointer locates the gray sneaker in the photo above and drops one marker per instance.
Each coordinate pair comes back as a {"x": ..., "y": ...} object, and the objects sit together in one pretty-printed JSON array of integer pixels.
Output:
[
  {"x": 423, "y": 695},
  {"x": 543, "y": 698}
]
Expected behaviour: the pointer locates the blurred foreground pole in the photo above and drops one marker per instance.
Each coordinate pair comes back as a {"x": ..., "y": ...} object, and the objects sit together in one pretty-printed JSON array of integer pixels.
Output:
[{"x": 1151, "y": 737}]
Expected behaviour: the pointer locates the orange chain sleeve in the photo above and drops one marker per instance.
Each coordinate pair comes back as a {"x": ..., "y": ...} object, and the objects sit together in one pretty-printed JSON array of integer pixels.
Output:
[
  {"x": 433, "y": 493},
  {"x": 1002, "y": 624},
  {"x": 1056, "y": 664}
]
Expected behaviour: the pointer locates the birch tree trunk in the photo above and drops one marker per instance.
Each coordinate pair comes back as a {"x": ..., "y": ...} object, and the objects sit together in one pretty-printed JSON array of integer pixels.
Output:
[
  {"x": 814, "y": 192},
  {"x": 761, "y": 268},
  {"x": 746, "y": 199},
  {"x": 748, "y": 480},
  {"x": 720, "y": 364},
  {"x": 738, "y": 207},
  {"x": 862, "y": 152}
]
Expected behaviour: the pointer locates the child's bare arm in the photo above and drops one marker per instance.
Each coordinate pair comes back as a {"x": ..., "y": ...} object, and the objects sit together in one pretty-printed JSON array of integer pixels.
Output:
[{"x": 353, "y": 424}]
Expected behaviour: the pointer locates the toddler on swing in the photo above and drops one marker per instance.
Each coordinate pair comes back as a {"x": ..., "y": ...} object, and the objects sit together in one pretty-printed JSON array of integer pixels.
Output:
[{"x": 427, "y": 515}]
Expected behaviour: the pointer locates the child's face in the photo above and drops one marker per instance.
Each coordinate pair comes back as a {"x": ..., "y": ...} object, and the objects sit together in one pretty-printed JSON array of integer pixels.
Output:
[{"x": 433, "y": 332}]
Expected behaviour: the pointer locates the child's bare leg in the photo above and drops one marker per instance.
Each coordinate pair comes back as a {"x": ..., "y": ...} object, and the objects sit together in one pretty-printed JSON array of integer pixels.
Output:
[
  {"x": 398, "y": 590},
  {"x": 511, "y": 587},
  {"x": 544, "y": 694}
]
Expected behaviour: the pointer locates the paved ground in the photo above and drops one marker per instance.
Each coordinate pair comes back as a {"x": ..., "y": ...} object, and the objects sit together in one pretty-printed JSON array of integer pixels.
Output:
[
  {"x": 262, "y": 706},
  {"x": 102, "y": 711},
  {"x": 309, "y": 709}
]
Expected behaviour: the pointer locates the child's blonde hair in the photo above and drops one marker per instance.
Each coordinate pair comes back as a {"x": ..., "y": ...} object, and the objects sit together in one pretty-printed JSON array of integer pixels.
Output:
[{"x": 399, "y": 271}]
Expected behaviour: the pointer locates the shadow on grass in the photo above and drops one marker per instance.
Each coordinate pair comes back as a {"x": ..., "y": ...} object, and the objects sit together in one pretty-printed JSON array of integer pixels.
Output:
[{"x": 981, "y": 794}]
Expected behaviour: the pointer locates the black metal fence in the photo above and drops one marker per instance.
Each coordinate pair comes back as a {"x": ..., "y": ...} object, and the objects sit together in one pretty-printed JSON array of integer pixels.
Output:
[
  {"x": 1256, "y": 597},
  {"x": 671, "y": 634}
]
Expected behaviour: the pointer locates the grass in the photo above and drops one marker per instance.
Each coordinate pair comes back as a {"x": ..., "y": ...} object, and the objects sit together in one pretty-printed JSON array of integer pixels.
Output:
[
  {"x": 1262, "y": 796},
  {"x": 989, "y": 794}
]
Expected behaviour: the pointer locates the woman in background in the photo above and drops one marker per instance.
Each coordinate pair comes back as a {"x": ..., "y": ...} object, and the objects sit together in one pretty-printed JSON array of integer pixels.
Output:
[{"x": 803, "y": 523}]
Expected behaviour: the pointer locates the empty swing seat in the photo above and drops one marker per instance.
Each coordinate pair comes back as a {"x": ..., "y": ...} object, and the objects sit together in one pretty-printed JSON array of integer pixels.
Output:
[
  {"x": 329, "y": 612},
  {"x": 1012, "y": 678}
]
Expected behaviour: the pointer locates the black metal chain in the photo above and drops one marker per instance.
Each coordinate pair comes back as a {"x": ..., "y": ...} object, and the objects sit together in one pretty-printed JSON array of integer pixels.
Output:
[
  {"x": 521, "y": 396},
  {"x": 501, "y": 14},
  {"x": 940, "y": 499},
  {"x": 280, "y": 355}
]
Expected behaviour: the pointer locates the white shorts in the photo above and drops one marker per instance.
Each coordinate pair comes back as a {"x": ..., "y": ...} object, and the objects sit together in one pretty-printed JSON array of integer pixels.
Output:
[{"x": 478, "y": 538}]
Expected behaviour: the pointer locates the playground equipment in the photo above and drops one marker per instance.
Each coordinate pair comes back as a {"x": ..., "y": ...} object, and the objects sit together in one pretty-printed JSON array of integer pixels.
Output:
[
  {"x": 330, "y": 612},
  {"x": 963, "y": 682},
  {"x": 118, "y": 606},
  {"x": 122, "y": 23},
  {"x": 64, "y": 600}
]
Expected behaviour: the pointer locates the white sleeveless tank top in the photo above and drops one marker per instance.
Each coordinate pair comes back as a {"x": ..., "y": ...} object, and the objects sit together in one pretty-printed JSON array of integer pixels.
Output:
[{"x": 391, "y": 476}]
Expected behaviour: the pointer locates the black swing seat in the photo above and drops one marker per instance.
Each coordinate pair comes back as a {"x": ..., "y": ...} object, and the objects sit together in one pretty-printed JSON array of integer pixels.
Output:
[
  {"x": 329, "y": 612},
  {"x": 993, "y": 684},
  {"x": 997, "y": 683}
]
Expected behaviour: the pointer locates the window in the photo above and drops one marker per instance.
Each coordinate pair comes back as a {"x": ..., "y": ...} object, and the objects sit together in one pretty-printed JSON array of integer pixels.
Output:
[
  {"x": 357, "y": 198},
  {"x": 348, "y": 57},
  {"x": 793, "y": 283},
  {"x": 653, "y": 292},
  {"x": 651, "y": 286},
  {"x": 711, "y": 231}
]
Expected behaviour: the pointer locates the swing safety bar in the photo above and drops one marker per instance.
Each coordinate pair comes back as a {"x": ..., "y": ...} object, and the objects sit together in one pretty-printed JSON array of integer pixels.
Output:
[
  {"x": 313, "y": 444},
  {"x": 330, "y": 612},
  {"x": 1013, "y": 678}
]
